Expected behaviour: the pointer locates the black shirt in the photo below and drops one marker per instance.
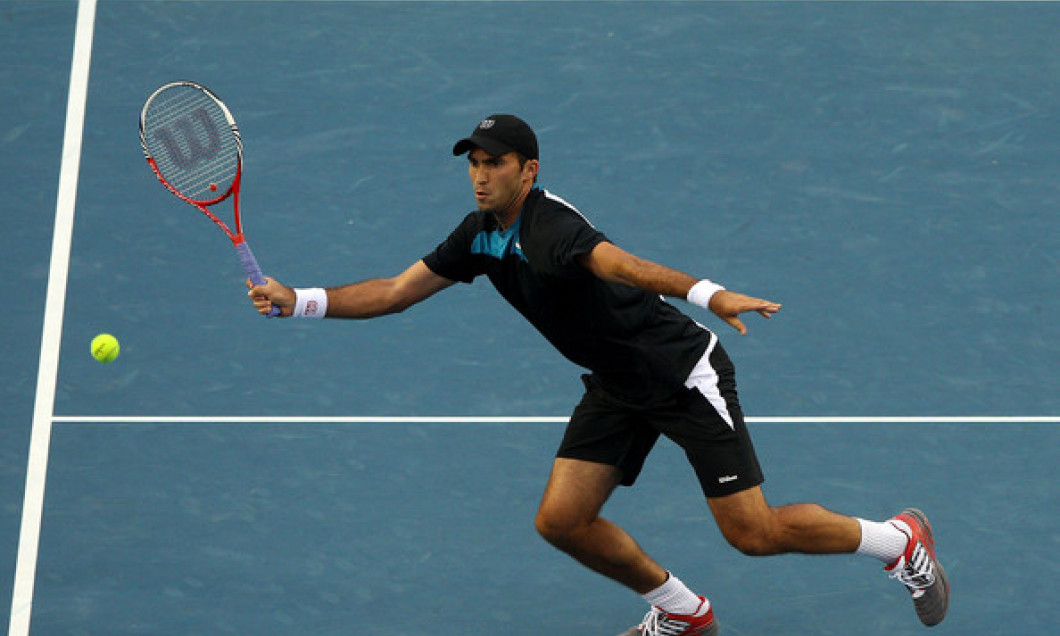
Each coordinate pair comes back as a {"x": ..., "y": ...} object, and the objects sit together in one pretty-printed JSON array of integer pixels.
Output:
[{"x": 632, "y": 340}]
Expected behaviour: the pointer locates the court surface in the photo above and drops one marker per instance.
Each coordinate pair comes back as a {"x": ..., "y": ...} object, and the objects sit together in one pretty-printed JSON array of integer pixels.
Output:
[{"x": 886, "y": 170}]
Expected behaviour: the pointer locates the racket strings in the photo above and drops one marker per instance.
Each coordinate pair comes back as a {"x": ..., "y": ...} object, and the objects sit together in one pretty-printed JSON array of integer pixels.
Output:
[{"x": 192, "y": 141}]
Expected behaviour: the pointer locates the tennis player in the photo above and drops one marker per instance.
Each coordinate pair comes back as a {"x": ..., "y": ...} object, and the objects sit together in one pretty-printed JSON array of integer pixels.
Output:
[{"x": 652, "y": 370}]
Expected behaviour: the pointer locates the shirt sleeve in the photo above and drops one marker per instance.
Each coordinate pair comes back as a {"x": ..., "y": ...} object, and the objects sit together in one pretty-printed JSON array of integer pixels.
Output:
[
  {"x": 561, "y": 235},
  {"x": 452, "y": 258}
]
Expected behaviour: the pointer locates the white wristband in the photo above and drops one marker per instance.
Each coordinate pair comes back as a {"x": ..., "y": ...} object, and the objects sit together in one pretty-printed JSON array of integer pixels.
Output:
[
  {"x": 310, "y": 303},
  {"x": 702, "y": 291}
]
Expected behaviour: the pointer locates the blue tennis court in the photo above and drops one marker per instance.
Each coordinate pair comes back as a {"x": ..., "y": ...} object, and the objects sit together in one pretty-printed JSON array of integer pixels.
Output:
[{"x": 887, "y": 170}]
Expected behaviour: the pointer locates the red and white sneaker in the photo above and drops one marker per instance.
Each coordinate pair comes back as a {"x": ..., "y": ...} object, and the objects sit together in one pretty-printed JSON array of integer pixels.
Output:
[
  {"x": 658, "y": 623},
  {"x": 920, "y": 571}
]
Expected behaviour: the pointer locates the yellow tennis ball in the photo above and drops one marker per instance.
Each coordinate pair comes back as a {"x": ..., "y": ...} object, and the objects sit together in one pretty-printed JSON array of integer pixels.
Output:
[{"x": 105, "y": 347}]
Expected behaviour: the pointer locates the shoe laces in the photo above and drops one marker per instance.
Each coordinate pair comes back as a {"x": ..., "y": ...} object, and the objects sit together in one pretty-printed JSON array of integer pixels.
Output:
[
  {"x": 918, "y": 571},
  {"x": 658, "y": 623}
]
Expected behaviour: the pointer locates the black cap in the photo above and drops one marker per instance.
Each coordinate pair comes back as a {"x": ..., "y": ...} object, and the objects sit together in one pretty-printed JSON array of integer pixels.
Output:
[{"x": 498, "y": 135}]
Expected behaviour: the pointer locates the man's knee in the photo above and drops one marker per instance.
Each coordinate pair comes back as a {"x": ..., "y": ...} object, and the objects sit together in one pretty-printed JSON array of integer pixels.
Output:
[
  {"x": 747, "y": 522},
  {"x": 752, "y": 539},
  {"x": 558, "y": 529},
  {"x": 753, "y": 532},
  {"x": 575, "y": 494},
  {"x": 546, "y": 526}
]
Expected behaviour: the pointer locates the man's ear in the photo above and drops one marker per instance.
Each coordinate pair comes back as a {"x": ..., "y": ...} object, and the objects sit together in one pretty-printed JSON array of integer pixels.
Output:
[{"x": 530, "y": 168}]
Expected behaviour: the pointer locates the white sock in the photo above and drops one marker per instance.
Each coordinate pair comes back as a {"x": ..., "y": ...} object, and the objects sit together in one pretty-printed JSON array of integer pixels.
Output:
[
  {"x": 674, "y": 597},
  {"x": 884, "y": 540}
]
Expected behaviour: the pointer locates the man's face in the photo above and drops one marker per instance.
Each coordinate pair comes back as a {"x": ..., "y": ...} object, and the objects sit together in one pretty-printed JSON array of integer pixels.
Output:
[{"x": 498, "y": 182}]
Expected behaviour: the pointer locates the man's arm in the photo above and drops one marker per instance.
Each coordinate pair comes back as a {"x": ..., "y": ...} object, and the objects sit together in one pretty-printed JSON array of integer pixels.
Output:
[
  {"x": 365, "y": 299},
  {"x": 612, "y": 263}
]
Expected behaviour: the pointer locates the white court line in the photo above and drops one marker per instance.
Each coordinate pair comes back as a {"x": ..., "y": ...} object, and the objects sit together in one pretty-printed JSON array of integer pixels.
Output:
[
  {"x": 55, "y": 304},
  {"x": 458, "y": 419}
]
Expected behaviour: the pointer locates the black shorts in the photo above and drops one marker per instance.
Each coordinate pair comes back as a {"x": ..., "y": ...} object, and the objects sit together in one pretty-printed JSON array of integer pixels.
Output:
[{"x": 704, "y": 419}]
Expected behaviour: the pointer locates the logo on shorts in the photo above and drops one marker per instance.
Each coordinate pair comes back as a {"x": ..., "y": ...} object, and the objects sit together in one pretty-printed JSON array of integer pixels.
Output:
[{"x": 727, "y": 478}]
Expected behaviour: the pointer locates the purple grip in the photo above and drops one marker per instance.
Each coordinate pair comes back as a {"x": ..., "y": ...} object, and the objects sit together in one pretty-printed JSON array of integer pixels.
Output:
[{"x": 250, "y": 264}]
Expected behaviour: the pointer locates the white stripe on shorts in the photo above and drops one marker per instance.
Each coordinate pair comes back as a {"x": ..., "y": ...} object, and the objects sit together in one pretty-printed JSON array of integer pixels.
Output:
[{"x": 705, "y": 379}]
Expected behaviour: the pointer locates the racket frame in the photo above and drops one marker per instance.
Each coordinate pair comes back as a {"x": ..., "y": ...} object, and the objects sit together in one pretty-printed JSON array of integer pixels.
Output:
[{"x": 235, "y": 233}]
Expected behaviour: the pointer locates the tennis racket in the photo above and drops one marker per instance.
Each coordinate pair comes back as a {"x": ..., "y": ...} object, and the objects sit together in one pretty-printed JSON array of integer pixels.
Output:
[{"x": 193, "y": 146}]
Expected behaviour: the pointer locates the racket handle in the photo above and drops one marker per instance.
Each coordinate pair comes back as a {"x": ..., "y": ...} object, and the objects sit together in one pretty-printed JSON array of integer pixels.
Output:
[{"x": 250, "y": 264}]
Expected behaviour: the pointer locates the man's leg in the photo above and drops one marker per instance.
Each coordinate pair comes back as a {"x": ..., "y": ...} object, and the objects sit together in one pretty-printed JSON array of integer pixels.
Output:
[
  {"x": 754, "y": 528},
  {"x": 568, "y": 518},
  {"x": 905, "y": 542}
]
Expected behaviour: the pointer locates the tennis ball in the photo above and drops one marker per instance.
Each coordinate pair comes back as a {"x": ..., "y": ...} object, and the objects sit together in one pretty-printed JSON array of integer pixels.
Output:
[{"x": 105, "y": 347}]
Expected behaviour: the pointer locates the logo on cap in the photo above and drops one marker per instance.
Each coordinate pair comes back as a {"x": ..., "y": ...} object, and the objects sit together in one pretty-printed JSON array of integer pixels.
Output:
[{"x": 486, "y": 124}]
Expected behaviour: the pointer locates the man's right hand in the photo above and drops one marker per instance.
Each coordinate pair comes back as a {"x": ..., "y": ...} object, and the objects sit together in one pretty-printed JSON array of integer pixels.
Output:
[{"x": 272, "y": 293}]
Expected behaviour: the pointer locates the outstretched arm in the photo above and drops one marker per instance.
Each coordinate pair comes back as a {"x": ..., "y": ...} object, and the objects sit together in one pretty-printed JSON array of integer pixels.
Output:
[
  {"x": 612, "y": 263},
  {"x": 366, "y": 299}
]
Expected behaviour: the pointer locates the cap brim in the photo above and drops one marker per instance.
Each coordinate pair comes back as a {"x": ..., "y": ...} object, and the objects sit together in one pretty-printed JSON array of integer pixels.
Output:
[{"x": 491, "y": 146}]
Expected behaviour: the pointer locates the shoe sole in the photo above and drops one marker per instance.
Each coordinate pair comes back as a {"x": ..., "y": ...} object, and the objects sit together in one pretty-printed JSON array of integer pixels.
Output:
[
  {"x": 933, "y": 614},
  {"x": 712, "y": 630}
]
